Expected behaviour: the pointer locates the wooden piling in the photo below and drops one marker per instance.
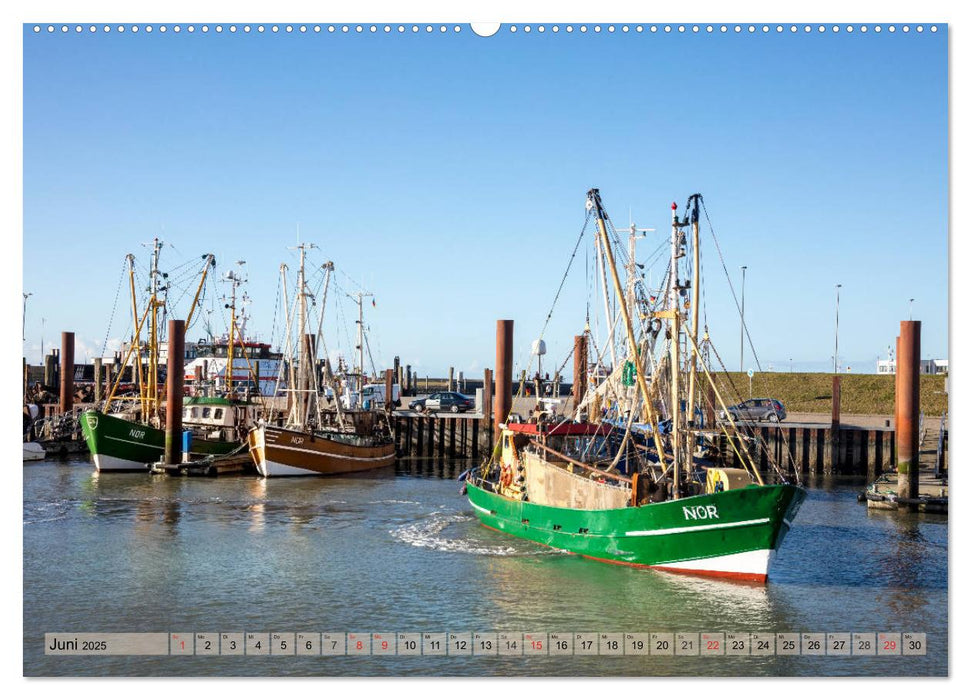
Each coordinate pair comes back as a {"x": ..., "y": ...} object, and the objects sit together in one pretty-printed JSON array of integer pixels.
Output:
[
  {"x": 451, "y": 380},
  {"x": 487, "y": 394},
  {"x": 908, "y": 409},
  {"x": 49, "y": 372},
  {"x": 837, "y": 386},
  {"x": 98, "y": 381},
  {"x": 389, "y": 390},
  {"x": 67, "y": 372},
  {"x": 710, "y": 407},
  {"x": 175, "y": 381},
  {"x": 579, "y": 369}
]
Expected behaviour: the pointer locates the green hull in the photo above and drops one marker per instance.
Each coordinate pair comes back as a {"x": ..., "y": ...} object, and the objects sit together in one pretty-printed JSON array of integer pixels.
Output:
[
  {"x": 731, "y": 534},
  {"x": 122, "y": 445}
]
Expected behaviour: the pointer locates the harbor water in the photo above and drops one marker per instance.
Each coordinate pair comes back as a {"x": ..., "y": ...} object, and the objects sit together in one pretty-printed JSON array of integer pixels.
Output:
[{"x": 401, "y": 551}]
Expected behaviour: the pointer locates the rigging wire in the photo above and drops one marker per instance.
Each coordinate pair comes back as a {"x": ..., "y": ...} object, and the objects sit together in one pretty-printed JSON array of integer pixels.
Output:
[{"x": 114, "y": 308}]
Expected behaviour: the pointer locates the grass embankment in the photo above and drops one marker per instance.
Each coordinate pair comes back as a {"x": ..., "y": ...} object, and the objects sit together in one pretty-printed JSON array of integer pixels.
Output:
[
  {"x": 805, "y": 392},
  {"x": 812, "y": 392}
]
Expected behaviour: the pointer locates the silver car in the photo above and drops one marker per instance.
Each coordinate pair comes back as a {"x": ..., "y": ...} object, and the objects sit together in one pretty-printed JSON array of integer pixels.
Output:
[{"x": 771, "y": 410}]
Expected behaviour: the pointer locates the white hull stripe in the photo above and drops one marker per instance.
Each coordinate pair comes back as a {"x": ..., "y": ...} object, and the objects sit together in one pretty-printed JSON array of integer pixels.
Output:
[
  {"x": 268, "y": 469},
  {"x": 104, "y": 463},
  {"x": 696, "y": 528},
  {"x": 130, "y": 442},
  {"x": 484, "y": 510},
  {"x": 754, "y": 562},
  {"x": 326, "y": 454}
]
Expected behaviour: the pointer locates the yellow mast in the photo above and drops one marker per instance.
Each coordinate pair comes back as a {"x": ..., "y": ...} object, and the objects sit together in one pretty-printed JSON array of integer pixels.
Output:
[
  {"x": 210, "y": 262},
  {"x": 136, "y": 336},
  {"x": 594, "y": 198}
]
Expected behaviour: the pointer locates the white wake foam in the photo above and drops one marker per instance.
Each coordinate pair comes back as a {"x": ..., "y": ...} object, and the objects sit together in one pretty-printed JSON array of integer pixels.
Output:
[{"x": 428, "y": 533}]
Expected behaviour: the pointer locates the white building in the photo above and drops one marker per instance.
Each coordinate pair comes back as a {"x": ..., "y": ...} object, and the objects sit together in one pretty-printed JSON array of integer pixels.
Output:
[{"x": 926, "y": 366}]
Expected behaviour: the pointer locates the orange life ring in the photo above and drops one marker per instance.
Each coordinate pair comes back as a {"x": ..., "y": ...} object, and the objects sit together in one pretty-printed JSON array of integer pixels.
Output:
[{"x": 505, "y": 476}]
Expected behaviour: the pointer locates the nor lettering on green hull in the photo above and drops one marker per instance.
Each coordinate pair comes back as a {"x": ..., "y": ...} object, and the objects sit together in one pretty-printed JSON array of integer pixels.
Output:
[{"x": 700, "y": 527}]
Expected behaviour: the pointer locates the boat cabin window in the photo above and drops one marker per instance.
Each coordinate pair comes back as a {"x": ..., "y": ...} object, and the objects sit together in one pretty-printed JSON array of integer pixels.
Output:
[
  {"x": 218, "y": 414},
  {"x": 206, "y": 412}
]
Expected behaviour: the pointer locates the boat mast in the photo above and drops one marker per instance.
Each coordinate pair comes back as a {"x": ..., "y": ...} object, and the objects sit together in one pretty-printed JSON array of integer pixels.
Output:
[
  {"x": 328, "y": 268},
  {"x": 594, "y": 196},
  {"x": 288, "y": 350},
  {"x": 695, "y": 293},
  {"x": 360, "y": 332},
  {"x": 602, "y": 273},
  {"x": 235, "y": 280},
  {"x": 675, "y": 330},
  {"x": 303, "y": 381},
  {"x": 210, "y": 261},
  {"x": 136, "y": 338},
  {"x": 153, "y": 332}
]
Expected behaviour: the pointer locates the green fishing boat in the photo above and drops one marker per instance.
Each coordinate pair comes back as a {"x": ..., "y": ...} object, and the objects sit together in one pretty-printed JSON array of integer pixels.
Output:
[
  {"x": 630, "y": 475},
  {"x": 127, "y": 432}
]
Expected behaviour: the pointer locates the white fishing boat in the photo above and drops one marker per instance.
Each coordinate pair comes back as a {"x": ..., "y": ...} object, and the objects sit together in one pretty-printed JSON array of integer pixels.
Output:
[{"x": 34, "y": 451}]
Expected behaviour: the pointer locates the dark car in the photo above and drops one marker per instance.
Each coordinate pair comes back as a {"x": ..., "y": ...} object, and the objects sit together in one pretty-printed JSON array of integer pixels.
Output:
[
  {"x": 771, "y": 410},
  {"x": 443, "y": 401}
]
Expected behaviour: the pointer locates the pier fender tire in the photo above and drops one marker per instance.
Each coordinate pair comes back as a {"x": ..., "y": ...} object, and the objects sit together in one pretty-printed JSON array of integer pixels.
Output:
[{"x": 454, "y": 408}]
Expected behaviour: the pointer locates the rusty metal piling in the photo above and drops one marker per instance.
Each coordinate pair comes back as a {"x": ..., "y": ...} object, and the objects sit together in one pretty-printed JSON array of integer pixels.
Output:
[
  {"x": 175, "y": 381},
  {"x": 907, "y": 418},
  {"x": 67, "y": 372},
  {"x": 504, "y": 335}
]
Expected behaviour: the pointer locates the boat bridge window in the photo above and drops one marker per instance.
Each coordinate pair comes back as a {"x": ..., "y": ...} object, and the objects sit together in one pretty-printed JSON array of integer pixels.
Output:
[
  {"x": 218, "y": 414},
  {"x": 206, "y": 412}
]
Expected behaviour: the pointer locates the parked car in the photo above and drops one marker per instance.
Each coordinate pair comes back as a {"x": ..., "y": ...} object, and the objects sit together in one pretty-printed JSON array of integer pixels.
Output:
[
  {"x": 771, "y": 410},
  {"x": 443, "y": 401}
]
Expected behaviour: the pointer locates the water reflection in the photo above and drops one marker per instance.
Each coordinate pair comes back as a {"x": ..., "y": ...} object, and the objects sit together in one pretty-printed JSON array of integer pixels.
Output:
[
  {"x": 405, "y": 551},
  {"x": 559, "y": 589}
]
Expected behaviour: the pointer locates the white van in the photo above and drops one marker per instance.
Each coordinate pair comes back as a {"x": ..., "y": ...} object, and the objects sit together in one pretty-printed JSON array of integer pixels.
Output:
[{"x": 371, "y": 397}]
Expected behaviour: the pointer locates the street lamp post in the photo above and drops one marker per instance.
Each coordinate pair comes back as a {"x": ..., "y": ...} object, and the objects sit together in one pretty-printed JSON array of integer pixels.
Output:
[
  {"x": 911, "y": 309},
  {"x": 26, "y": 294},
  {"x": 741, "y": 338},
  {"x": 836, "y": 354}
]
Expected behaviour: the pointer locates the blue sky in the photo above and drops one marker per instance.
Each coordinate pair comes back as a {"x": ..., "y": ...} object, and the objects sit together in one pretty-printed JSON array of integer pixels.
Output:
[{"x": 447, "y": 175}]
